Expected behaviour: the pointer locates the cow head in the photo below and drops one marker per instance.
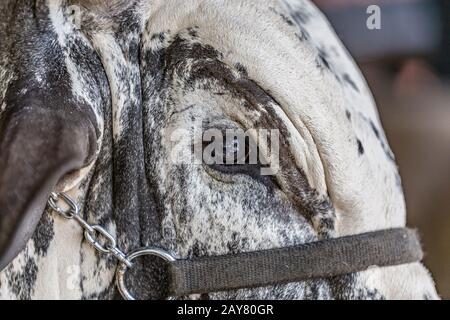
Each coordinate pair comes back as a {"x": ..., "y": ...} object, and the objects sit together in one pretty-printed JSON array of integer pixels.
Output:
[{"x": 113, "y": 98}]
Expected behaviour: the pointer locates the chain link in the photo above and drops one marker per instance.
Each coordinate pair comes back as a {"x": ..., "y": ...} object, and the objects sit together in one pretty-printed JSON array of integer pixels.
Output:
[{"x": 94, "y": 234}]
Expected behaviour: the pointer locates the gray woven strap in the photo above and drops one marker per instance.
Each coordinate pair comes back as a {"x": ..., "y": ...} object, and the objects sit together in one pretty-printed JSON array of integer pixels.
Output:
[{"x": 320, "y": 259}]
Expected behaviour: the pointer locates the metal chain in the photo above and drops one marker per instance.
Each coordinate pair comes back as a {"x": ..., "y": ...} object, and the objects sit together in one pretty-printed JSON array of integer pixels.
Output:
[
  {"x": 104, "y": 242},
  {"x": 94, "y": 234}
]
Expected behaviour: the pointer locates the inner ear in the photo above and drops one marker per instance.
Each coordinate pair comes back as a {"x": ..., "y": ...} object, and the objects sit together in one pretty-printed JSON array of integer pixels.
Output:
[{"x": 40, "y": 143}]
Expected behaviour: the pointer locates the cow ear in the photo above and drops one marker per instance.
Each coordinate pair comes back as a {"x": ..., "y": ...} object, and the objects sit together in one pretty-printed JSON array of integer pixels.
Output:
[{"x": 38, "y": 146}]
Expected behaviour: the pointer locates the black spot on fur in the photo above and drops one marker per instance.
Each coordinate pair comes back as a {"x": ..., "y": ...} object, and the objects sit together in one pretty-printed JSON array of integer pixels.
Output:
[
  {"x": 283, "y": 16},
  {"x": 22, "y": 283},
  {"x": 360, "y": 147},
  {"x": 428, "y": 296},
  {"x": 160, "y": 36},
  {"x": 324, "y": 61},
  {"x": 301, "y": 17},
  {"x": 193, "y": 32},
  {"x": 369, "y": 294},
  {"x": 241, "y": 69},
  {"x": 351, "y": 82},
  {"x": 375, "y": 130},
  {"x": 322, "y": 57},
  {"x": 43, "y": 235},
  {"x": 303, "y": 35},
  {"x": 348, "y": 115}
]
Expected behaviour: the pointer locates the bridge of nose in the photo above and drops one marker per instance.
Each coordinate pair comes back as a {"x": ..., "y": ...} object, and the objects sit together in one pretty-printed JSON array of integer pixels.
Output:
[{"x": 50, "y": 110}]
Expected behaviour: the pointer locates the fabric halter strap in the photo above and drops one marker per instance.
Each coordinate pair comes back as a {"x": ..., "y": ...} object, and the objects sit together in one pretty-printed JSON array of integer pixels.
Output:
[{"x": 322, "y": 259}]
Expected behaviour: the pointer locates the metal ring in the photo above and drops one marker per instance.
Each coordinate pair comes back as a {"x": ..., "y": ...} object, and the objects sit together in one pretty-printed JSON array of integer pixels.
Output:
[{"x": 122, "y": 268}]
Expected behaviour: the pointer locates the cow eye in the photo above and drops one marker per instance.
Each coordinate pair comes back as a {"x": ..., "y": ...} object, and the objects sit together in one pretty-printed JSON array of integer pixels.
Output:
[
  {"x": 227, "y": 150},
  {"x": 236, "y": 153}
]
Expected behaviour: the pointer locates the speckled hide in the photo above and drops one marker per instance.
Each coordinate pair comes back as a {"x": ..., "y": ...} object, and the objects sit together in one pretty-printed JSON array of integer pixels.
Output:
[{"x": 141, "y": 69}]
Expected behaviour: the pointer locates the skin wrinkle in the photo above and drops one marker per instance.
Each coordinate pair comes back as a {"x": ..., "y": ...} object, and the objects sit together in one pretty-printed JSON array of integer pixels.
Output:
[{"x": 143, "y": 67}]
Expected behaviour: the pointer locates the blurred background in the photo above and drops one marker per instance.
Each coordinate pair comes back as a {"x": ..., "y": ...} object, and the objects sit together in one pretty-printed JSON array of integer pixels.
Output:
[{"x": 407, "y": 65}]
